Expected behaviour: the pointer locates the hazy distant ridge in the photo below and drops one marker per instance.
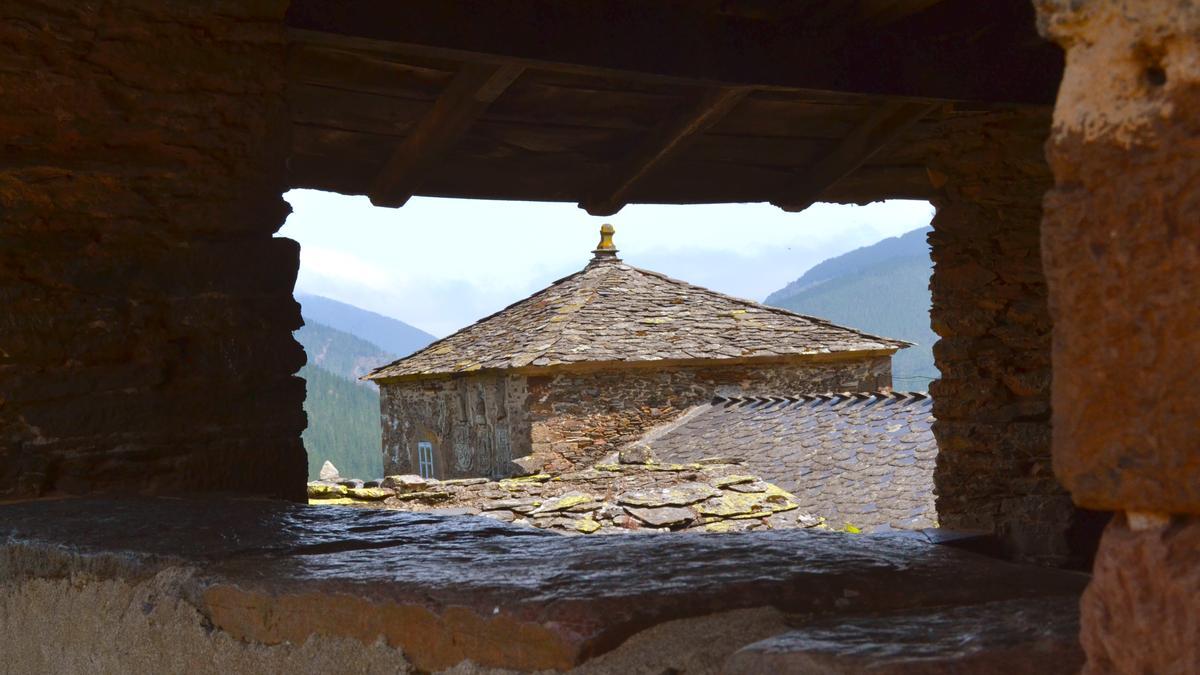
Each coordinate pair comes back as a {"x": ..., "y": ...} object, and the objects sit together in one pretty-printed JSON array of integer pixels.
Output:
[
  {"x": 392, "y": 335},
  {"x": 340, "y": 352},
  {"x": 855, "y": 262},
  {"x": 882, "y": 289},
  {"x": 343, "y": 343}
]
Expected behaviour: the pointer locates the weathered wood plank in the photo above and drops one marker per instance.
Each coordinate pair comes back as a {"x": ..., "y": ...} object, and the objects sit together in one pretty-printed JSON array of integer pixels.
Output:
[
  {"x": 665, "y": 142},
  {"x": 358, "y": 70},
  {"x": 673, "y": 40},
  {"x": 471, "y": 91},
  {"x": 882, "y": 127}
]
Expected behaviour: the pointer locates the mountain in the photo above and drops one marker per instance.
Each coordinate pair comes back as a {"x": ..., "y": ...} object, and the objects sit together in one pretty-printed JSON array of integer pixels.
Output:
[
  {"x": 909, "y": 244},
  {"x": 882, "y": 289},
  {"x": 341, "y": 353},
  {"x": 343, "y": 343},
  {"x": 343, "y": 425},
  {"x": 393, "y": 336}
]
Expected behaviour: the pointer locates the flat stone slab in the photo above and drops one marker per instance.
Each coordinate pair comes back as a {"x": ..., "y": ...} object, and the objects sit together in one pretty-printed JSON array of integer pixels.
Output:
[
  {"x": 446, "y": 588},
  {"x": 1030, "y": 635}
]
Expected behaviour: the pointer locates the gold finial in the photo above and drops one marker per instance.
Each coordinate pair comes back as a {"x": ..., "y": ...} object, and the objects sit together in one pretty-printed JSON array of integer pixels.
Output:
[{"x": 606, "y": 248}]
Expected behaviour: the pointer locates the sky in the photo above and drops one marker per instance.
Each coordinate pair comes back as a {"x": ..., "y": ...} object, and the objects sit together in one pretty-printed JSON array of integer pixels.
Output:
[{"x": 441, "y": 264}]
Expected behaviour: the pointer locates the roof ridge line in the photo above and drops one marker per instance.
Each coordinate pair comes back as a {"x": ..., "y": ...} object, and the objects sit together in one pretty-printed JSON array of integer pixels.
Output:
[{"x": 772, "y": 308}]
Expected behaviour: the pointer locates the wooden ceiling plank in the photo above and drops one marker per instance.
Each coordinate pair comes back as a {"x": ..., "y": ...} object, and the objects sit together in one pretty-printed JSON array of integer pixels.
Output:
[
  {"x": 666, "y": 141},
  {"x": 474, "y": 87},
  {"x": 886, "y": 124},
  {"x": 880, "y": 13}
]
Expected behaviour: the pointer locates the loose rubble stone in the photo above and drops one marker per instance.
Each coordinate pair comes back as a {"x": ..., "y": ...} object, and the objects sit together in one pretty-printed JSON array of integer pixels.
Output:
[
  {"x": 404, "y": 482},
  {"x": 664, "y": 516},
  {"x": 738, "y": 505},
  {"x": 678, "y": 495},
  {"x": 328, "y": 471},
  {"x": 636, "y": 453},
  {"x": 325, "y": 491},
  {"x": 503, "y": 516},
  {"x": 370, "y": 494},
  {"x": 570, "y": 501},
  {"x": 464, "y": 481},
  {"x": 427, "y": 496},
  {"x": 527, "y": 465},
  {"x": 586, "y": 525}
]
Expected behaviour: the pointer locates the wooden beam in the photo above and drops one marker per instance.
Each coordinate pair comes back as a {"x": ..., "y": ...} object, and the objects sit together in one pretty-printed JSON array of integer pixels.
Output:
[
  {"x": 955, "y": 51},
  {"x": 464, "y": 100},
  {"x": 883, "y": 126},
  {"x": 880, "y": 13},
  {"x": 666, "y": 141}
]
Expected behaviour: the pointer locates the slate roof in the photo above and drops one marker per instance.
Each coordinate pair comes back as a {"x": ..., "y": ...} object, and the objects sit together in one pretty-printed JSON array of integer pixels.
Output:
[
  {"x": 864, "y": 459},
  {"x": 613, "y": 312}
]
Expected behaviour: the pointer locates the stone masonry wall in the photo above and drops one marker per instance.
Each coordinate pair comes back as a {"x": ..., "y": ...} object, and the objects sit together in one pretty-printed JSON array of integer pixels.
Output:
[
  {"x": 1121, "y": 237},
  {"x": 992, "y": 403},
  {"x": 476, "y": 424},
  {"x": 145, "y": 333},
  {"x": 579, "y": 417}
]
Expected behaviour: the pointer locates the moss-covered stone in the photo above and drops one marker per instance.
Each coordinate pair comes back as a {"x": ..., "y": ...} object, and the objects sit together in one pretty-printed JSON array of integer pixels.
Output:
[
  {"x": 749, "y": 505},
  {"x": 371, "y": 494},
  {"x": 586, "y": 525},
  {"x": 535, "y": 478},
  {"x": 734, "y": 479},
  {"x": 424, "y": 496},
  {"x": 567, "y": 502},
  {"x": 326, "y": 491}
]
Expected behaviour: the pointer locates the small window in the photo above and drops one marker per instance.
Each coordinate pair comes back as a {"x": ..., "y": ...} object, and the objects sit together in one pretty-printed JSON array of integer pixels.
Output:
[{"x": 425, "y": 459}]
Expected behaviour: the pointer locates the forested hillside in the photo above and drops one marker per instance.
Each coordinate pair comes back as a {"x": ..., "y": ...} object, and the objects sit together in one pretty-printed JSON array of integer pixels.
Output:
[
  {"x": 389, "y": 334},
  {"x": 343, "y": 425},
  {"x": 341, "y": 353},
  {"x": 343, "y": 411},
  {"x": 882, "y": 289}
]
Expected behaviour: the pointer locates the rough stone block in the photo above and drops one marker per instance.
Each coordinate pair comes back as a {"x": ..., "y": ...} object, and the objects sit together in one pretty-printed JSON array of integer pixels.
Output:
[
  {"x": 1140, "y": 613},
  {"x": 1122, "y": 243}
]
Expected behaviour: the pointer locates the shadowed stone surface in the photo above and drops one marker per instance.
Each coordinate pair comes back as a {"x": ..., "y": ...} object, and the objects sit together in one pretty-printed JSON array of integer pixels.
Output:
[
  {"x": 446, "y": 589},
  {"x": 997, "y": 638},
  {"x": 145, "y": 308}
]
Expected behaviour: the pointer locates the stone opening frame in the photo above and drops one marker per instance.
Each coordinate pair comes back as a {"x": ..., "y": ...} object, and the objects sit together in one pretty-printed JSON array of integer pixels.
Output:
[{"x": 127, "y": 390}]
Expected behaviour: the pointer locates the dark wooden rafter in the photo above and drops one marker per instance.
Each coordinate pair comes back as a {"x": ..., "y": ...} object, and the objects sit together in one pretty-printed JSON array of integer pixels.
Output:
[
  {"x": 665, "y": 141},
  {"x": 470, "y": 92},
  {"x": 879, "y": 13},
  {"x": 887, "y": 123},
  {"x": 878, "y": 47}
]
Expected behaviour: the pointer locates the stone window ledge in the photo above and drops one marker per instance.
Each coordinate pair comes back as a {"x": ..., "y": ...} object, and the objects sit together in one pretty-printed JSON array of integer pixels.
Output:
[{"x": 441, "y": 590}]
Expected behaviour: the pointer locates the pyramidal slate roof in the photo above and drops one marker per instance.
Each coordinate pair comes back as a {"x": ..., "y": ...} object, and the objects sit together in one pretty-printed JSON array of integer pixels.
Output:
[{"x": 613, "y": 312}]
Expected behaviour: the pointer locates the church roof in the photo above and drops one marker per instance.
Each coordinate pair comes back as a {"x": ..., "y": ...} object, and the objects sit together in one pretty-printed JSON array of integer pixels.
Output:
[{"x": 613, "y": 312}]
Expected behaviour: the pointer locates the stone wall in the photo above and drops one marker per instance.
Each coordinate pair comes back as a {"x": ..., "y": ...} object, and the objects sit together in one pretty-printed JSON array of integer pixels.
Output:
[
  {"x": 572, "y": 418},
  {"x": 476, "y": 424},
  {"x": 1121, "y": 238},
  {"x": 580, "y": 416},
  {"x": 992, "y": 403},
  {"x": 145, "y": 334}
]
